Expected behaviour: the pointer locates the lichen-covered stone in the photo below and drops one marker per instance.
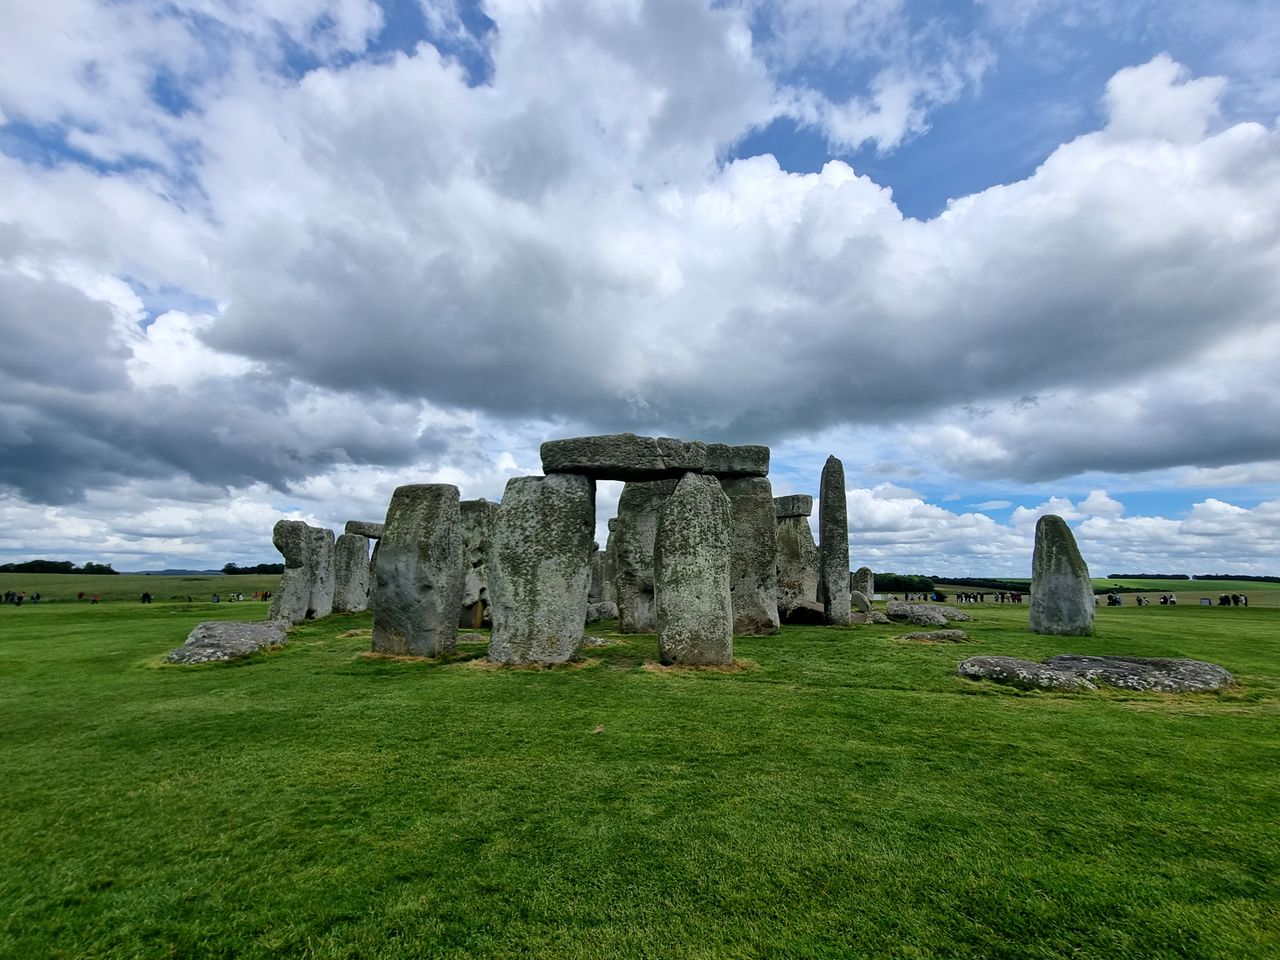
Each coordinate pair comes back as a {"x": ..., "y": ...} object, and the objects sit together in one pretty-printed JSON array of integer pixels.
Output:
[
  {"x": 305, "y": 591},
  {"x": 863, "y": 580},
  {"x": 833, "y": 543},
  {"x": 626, "y": 456},
  {"x": 604, "y": 610},
  {"x": 743, "y": 460},
  {"x": 609, "y": 567},
  {"x": 595, "y": 588},
  {"x": 794, "y": 505},
  {"x": 917, "y": 613},
  {"x": 754, "y": 559},
  {"x": 634, "y": 534},
  {"x": 938, "y": 636},
  {"x": 1146, "y": 673},
  {"x": 364, "y": 528},
  {"x": 540, "y": 567},
  {"x": 803, "y": 613},
  {"x": 351, "y": 573},
  {"x": 1023, "y": 674},
  {"x": 692, "y": 572},
  {"x": 478, "y": 517},
  {"x": 797, "y": 565},
  {"x": 859, "y": 602},
  {"x": 1061, "y": 591},
  {"x": 225, "y": 640},
  {"x": 418, "y": 573}
]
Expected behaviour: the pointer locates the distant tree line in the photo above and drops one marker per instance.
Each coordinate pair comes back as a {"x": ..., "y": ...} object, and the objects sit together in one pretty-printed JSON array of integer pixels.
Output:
[
  {"x": 1148, "y": 576},
  {"x": 983, "y": 583},
  {"x": 233, "y": 570},
  {"x": 1236, "y": 576},
  {"x": 57, "y": 566},
  {"x": 903, "y": 583}
]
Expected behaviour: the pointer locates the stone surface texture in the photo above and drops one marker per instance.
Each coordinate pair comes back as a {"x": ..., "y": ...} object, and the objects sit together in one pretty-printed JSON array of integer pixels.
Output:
[
  {"x": 795, "y": 505},
  {"x": 609, "y": 567},
  {"x": 626, "y": 456},
  {"x": 754, "y": 556},
  {"x": 953, "y": 613},
  {"x": 938, "y": 636},
  {"x": 225, "y": 640},
  {"x": 365, "y": 528},
  {"x": 692, "y": 569},
  {"x": 833, "y": 544},
  {"x": 478, "y": 517},
  {"x": 863, "y": 580},
  {"x": 604, "y": 610},
  {"x": 917, "y": 613},
  {"x": 858, "y": 601},
  {"x": 635, "y": 534},
  {"x": 418, "y": 572},
  {"x": 797, "y": 565},
  {"x": 1061, "y": 592},
  {"x": 540, "y": 569},
  {"x": 305, "y": 591},
  {"x": 1023, "y": 674},
  {"x": 351, "y": 573},
  {"x": 1078, "y": 672}
]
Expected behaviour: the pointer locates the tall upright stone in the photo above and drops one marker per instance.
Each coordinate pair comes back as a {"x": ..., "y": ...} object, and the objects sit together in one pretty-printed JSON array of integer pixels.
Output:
[
  {"x": 305, "y": 591},
  {"x": 797, "y": 560},
  {"x": 1061, "y": 592},
  {"x": 833, "y": 544},
  {"x": 418, "y": 576},
  {"x": 754, "y": 549},
  {"x": 609, "y": 567},
  {"x": 863, "y": 581},
  {"x": 351, "y": 573},
  {"x": 692, "y": 570},
  {"x": 595, "y": 589},
  {"x": 636, "y": 532},
  {"x": 478, "y": 519},
  {"x": 540, "y": 568}
]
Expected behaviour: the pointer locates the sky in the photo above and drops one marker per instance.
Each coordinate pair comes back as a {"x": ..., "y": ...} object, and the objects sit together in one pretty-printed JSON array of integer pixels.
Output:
[{"x": 1002, "y": 257}]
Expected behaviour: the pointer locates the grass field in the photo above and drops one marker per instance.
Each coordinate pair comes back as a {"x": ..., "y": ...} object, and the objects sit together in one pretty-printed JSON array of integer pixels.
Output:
[
  {"x": 1260, "y": 594},
  {"x": 59, "y": 587},
  {"x": 844, "y": 795}
]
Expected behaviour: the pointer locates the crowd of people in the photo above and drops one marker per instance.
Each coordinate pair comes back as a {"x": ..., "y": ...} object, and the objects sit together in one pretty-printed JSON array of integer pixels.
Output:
[
  {"x": 18, "y": 597},
  {"x": 999, "y": 596}
]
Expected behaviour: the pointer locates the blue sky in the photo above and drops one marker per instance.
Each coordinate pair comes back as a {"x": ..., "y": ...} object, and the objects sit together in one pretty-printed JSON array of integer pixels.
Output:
[{"x": 1001, "y": 257}]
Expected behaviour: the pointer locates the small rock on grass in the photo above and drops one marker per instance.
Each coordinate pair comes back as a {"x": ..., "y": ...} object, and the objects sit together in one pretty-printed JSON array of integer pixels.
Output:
[{"x": 938, "y": 636}]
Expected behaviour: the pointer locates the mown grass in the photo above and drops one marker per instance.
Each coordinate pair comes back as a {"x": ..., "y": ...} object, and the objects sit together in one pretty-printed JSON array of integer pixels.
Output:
[
  {"x": 845, "y": 796},
  {"x": 128, "y": 587}
]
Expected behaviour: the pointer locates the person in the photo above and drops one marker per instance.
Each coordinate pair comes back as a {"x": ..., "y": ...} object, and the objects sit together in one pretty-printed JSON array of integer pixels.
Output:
[
  {"x": 146, "y": 598},
  {"x": 35, "y": 597},
  {"x": 95, "y": 599},
  {"x": 216, "y": 598},
  {"x": 1173, "y": 599}
]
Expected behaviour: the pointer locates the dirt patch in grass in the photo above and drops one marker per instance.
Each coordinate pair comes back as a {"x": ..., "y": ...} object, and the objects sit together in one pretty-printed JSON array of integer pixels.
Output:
[
  {"x": 482, "y": 663},
  {"x": 677, "y": 669},
  {"x": 352, "y": 634}
]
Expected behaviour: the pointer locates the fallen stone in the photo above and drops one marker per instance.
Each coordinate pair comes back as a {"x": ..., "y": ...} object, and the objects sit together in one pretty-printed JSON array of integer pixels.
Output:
[
  {"x": 794, "y": 505},
  {"x": 626, "y": 456},
  {"x": 870, "y": 617},
  {"x": 604, "y": 610},
  {"x": 540, "y": 569},
  {"x": 365, "y": 528},
  {"x": 1023, "y": 674},
  {"x": 478, "y": 518},
  {"x": 917, "y": 613},
  {"x": 833, "y": 543},
  {"x": 418, "y": 572},
  {"x": 351, "y": 573},
  {"x": 634, "y": 534},
  {"x": 938, "y": 636},
  {"x": 224, "y": 640},
  {"x": 859, "y": 602},
  {"x": 692, "y": 574},
  {"x": 1061, "y": 592},
  {"x": 753, "y": 556},
  {"x": 803, "y": 613},
  {"x": 1144, "y": 673},
  {"x": 953, "y": 613}
]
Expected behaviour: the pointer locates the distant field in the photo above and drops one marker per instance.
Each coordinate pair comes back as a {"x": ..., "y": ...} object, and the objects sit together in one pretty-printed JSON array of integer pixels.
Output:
[
  {"x": 58, "y": 587},
  {"x": 1188, "y": 591}
]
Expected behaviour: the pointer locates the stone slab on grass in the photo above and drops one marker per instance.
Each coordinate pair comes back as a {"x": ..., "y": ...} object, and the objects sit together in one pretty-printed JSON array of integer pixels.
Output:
[
  {"x": 218, "y": 640},
  {"x": 1077, "y": 672}
]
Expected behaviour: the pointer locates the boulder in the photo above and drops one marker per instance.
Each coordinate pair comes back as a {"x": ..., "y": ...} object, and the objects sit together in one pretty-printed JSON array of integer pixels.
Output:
[
  {"x": 803, "y": 612},
  {"x": 871, "y": 616},
  {"x": 692, "y": 573},
  {"x": 478, "y": 518},
  {"x": 938, "y": 636},
  {"x": 953, "y": 613},
  {"x": 795, "y": 505},
  {"x": 225, "y": 640},
  {"x": 635, "y": 533},
  {"x": 625, "y": 456},
  {"x": 754, "y": 556},
  {"x": 540, "y": 568},
  {"x": 1061, "y": 592},
  {"x": 351, "y": 573},
  {"x": 833, "y": 543},
  {"x": 305, "y": 591},
  {"x": 863, "y": 581},
  {"x": 604, "y": 610},
  {"x": 797, "y": 566},
  {"x": 858, "y": 601},
  {"x": 917, "y": 613},
  {"x": 1024, "y": 674},
  {"x": 418, "y": 573},
  {"x": 364, "y": 528},
  {"x": 1077, "y": 672}
]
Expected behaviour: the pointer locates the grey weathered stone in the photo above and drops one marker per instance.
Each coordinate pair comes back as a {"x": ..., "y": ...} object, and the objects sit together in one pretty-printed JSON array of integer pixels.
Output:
[
  {"x": 418, "y": 577},
  {"x": 795, "y": 505},
  {"x": 863, "y": 581},
  {"x": 540, "y": 567},
  {"x": 364, "y": 528},
  {"x": 635, "y": 534},
  {"x": 609, "y": 567},
  {"x": 797, "y": 565},
  {"x": 351, "y": 573},
  {"x": 692, "y": 574},
  {"x": 754, "y": 560},
  {"x": 859, "y": 602},
  {"x": 871, "y": 616},
  {"x": 1024, "y": 674},
  {"x": 595, "y": 589},
  {"x": 305, "y": 591},
  {"x": 604, "y": 610},
  {"x": 938, "y": 636},
  {"x": 954, "y": 614},
  {"x": 478, "y": 517},
  {"x": 917, "y": 613},
  {"x": 1061, "y": 592},
  {"x": 225, "y": 640},
  {"x": 803, "y": 612},
  {"x": 625, "y": 456},
  {"x": 833, "y": 543}
]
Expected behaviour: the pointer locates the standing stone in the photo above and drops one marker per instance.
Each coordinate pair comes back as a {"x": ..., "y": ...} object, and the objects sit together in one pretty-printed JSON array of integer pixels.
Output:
[
  {"x": 306, "y": 586},
  {"x": 478, "y": 518},
  {"x": 351, "y": 573},
  {"x": 418, "y": 578},
  {"x": 754, "y": 556},
  {"x": 797, "y": 556},
  {"x": 595, "y": 590},
  {"x": 636, "y": 532},
  {"x": 540, "y": 568},
  {"x": 1061, "y": 592},
  {"x": 609, "y": 567},
  {"x": 833, "y": 544},
  {"x": 863, "y": 581},
  {"x": 693, "y": 571}
]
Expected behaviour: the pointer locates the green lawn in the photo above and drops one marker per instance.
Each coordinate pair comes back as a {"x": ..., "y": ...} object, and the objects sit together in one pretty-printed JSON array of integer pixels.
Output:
[
  {"x": 61, "y": 587},
  {"x": 844, "y": 796}
]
